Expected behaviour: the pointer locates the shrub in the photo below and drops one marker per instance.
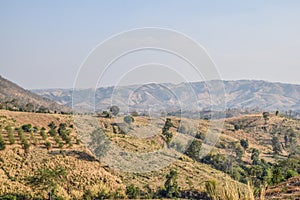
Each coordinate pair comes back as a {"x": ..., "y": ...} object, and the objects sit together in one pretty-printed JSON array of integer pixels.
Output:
[
  {"x": 165, "y": 131},
  {"x": 48, "y": 145},
  {"x": 106, "y": 114},
  {"x": 134, "y": 113},
  {"x": 2, "y": 143},
  {"x": 46, "y": 178},
  {"x": 26, "y": 127},
  {"x": 193, "y": 150},
  {"x": 78, "y": 141},
  {"x": 128, "y": 119},
  {"x": 33, "y": 139},
  {"x": 290, "y": 173},
  {"x": 200, "y": 135},
  {"x": 11, "y": 137},
  {"x": 171, "y": 185},
  {"x": 26, "y": 146},
  {"x": 114, "y": 110},
  {"x": 52, "y": 125},
  {"x": 132, "y": 192},
  {"x": 244, "y": 143},
  {"x": 23, "y": 139},
  {"x": 43, "y": 134},
  {"x": 62, "y": 128},
  {"x": 52, "y": 132},
  {"x": 56, "y": 139},
  {"x": 239, "y": 152},
  {"x": 276, "y": 145}
]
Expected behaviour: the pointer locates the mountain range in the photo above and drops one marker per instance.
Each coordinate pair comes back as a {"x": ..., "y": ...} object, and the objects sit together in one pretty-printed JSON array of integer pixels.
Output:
[{"x": 241, "y": 94}]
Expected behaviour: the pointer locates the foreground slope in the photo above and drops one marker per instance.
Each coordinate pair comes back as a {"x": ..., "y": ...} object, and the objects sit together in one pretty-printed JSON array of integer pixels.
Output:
[
  {"x": 74, "y": 171},
  {"x": 32, "y": 172}
]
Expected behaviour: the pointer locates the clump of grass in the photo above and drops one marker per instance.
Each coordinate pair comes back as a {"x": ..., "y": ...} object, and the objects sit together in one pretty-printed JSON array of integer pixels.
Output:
[
  {"x": 11, "y": 137},
  {"x": 33, "y": 138},
  {"x": 228, "y": 191},
  {"x": 43, "y": 134},
  {"x": 23, "y": 139}
]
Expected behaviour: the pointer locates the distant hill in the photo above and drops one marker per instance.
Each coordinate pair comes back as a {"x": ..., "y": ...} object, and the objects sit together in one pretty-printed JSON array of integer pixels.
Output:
[
  {"x": 14, "y": 97},
  {"x": 240, "y": 94}
]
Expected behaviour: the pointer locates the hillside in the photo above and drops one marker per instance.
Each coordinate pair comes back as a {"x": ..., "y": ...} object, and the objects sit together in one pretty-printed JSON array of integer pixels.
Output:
[
  {"x": 65, "y": 160},
  {"x": 70, "y": 168},
  {"x": 14, "y": 97},
  {"x": 289, "y": 189},
  {"x": 239, "y": 94}
]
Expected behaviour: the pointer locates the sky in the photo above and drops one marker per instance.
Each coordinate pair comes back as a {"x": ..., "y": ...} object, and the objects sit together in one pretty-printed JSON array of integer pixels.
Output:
[{"x": 44, "y": 43}]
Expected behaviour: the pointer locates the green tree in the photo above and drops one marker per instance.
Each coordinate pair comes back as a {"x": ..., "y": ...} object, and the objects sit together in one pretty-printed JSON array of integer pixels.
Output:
[
  {"x": 255, "y": 156},
  {"x": 244, "y": 143},
  {"x": 62, "y": 128},
  {"x": 128, "y": 119},
  {"x": 48, "y": 145},
  {"x": 276, "y": 145},
  {"x": 26, "y": 127},
  {"x": 10, "y": 135},
  {"x": 165, "y": 131},
  {"x": 48, "y": 179},
  {"x": 277, "y": 175},
  {"x": 266, "y": 116},
  {"x": 52, "y": 125},
  {"x": 290, "y": 173},
  {"x": 193, "y": 151},
  {"x": 106, "y": 114},
  {"x": 114, "y": 110},
  {"x": 29, "y": 107},
  {"x": 132, "y": 192},
  {"x": 239, "y": 152},
  {"x": 171, "y": 185},
  {"x": 2, "y": 142}
]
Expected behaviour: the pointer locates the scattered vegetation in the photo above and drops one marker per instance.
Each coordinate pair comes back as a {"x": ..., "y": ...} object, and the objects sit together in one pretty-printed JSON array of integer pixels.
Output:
[{"x": 166, "y": 130}]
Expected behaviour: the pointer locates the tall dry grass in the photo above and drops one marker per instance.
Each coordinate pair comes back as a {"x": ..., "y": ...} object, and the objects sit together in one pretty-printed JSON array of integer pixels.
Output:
[{"x": 228, "y": 191}]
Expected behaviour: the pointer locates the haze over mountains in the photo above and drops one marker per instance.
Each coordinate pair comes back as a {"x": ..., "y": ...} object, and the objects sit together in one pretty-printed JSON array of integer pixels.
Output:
[{"x": 240, "y": 94}]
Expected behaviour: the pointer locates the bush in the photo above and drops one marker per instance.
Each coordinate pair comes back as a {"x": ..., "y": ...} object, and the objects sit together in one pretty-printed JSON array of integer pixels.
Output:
[
  {"x": 33, "y": 139},
  {"x": 165, "y": 131},
  {"x": 114, "y": 110},
  {"x": 52, "y": 132},
  {"x": 171, "y": 185},
  {"x": 134, "y": 113},
  {"x": 52, "y": 125},
  {"x": 23, "y": 140},
  {"x": 11, "y": 137},
  {"x": 106, "y": 114},
  {"x": 132, "y": 192},
  {"x": 290, "y": 173},
  {"x": 193, "y": 150},
  {"x": 244, "y": 143},
  {"x": 62, "y": 128},
  {"x": 43, "y": 134},
  {"x": 128, "y": 119},
  {"x": 26, "y": 127},
  {"x": 200, "y": 135},
  {"x": 48, "y": 145},
  {"x": 2, "y": 143}
]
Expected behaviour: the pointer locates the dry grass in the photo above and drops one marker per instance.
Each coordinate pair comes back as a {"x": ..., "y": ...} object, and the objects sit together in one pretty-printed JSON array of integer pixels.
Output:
[
  {"x": 85, "y": 173},
  {"x": 228, "y": 191}
]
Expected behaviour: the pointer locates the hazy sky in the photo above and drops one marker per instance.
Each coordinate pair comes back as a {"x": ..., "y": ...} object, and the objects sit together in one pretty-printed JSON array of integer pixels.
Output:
[{"x": 43, "y": 43}]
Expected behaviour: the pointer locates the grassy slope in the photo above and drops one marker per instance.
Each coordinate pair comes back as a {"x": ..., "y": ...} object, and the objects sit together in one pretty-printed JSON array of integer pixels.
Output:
[
  {"x": 86, "y": 173},
  {"x": 83, "y": 171}
]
